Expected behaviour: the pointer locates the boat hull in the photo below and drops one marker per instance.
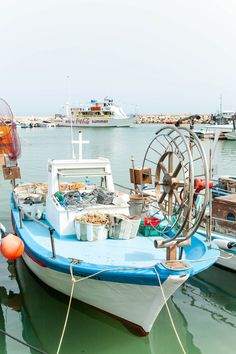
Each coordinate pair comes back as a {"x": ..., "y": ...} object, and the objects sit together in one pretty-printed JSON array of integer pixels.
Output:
[
  {"x": 99, "y": 122},
  {"x": 227, "y": 257},
  {"x": 227, "y": 261},
  {"x": 230, "y": 136},
  {"x": 136, "y": 305}
]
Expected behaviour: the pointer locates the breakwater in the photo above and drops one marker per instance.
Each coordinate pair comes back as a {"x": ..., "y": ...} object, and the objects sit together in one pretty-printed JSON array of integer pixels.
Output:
[{"x": 169, "y": 118}]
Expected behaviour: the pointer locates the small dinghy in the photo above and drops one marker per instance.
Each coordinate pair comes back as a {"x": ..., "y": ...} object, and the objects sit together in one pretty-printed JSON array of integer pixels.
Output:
[{"x": 83, "y": 238}]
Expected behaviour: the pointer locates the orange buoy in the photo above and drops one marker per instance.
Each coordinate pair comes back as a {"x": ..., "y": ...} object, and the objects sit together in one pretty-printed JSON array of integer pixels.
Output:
[{"x": 12, "y": 247}]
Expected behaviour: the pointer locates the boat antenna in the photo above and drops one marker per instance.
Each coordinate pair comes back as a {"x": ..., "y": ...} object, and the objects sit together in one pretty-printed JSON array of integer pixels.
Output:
[
  {"x": 69, "y": 116},
  {"x": 220, "y": 105}
]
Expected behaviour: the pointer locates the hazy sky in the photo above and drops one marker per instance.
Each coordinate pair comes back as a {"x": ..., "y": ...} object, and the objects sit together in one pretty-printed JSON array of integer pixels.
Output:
[{"x": 151, "y": 56}]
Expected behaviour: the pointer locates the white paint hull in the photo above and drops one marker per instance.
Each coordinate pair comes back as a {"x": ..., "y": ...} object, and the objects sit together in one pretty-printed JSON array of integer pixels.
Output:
[
  {"x": 138, "y": 304},
  {"x": 227, "y": 262},
  {"x": 99, "y": 122},
  {"x": 230, "y": 136}
]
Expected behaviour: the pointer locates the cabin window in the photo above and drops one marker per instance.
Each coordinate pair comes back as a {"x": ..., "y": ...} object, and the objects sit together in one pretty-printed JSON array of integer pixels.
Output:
[{"x": 231, "y": 217}]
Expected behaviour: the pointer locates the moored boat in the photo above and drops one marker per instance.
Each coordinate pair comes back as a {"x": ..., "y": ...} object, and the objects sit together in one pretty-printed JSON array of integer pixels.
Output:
[
  {"x": 119, "y": 271},
  {"x": 99, "y": 113},
  {"x": 222, "y": 215},
  {"x": 232, "y": 134}
]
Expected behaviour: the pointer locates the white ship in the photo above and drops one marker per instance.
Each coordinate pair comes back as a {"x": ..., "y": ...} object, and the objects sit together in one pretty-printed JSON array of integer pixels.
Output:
[{"x": 99, "y": 113}]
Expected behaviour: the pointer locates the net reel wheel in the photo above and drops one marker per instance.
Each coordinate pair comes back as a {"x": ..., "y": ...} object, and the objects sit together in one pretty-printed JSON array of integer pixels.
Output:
[
  {"x": 198, "y": 156},
  {"x": 174, "y": 178}
]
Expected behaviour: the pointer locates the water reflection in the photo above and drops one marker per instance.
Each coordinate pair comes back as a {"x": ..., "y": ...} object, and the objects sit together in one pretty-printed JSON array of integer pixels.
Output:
[
  {"x": 209, "y": 307},
  {"x": 8, "y": 299}
]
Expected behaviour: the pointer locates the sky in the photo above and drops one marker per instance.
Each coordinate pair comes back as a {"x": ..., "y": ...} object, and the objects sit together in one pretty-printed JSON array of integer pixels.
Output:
[{"x": 150, "y": 56}]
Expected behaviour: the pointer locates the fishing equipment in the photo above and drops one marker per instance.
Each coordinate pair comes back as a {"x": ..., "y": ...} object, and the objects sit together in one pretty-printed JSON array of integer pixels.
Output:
[{"x": 176, "y": 159}]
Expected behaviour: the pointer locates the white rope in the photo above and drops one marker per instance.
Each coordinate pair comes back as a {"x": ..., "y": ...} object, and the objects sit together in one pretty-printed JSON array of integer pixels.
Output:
[
  {"x": 74, "y": 280},
  {"x": 67, "y": 316},
  {"x": 169, "y": 313}
]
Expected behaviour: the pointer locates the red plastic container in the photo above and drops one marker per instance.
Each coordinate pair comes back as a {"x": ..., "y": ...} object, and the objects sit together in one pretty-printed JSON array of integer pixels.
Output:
[{"x": 151, "y": 221}]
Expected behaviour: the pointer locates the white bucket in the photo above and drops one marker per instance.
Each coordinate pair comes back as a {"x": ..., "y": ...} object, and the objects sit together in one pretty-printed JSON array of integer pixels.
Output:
[{"x": 90, "y": 232}]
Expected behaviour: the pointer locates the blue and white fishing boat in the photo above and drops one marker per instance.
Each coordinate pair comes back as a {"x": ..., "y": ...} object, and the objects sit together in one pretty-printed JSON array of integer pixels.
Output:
[{"x": 120, "y": 271}]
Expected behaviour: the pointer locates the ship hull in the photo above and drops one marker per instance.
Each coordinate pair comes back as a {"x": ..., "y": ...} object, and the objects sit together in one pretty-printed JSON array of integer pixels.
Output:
[
  {"x": 95, "y": 122},
  {"x": 136, "y": 305}
]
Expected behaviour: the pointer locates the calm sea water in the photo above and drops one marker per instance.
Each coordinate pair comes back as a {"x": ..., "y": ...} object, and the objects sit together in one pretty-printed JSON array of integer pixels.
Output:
[{"x": 203, "y": 309}]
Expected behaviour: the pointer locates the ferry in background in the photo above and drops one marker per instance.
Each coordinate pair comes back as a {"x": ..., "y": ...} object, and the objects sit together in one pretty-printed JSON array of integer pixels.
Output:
[{"x": 99, "y": 113}]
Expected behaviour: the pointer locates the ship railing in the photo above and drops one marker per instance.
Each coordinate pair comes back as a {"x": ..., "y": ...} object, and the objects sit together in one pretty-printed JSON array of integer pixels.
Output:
[
  {"x": 231, "y": 222},
  {"x": 49, "y": 228}
]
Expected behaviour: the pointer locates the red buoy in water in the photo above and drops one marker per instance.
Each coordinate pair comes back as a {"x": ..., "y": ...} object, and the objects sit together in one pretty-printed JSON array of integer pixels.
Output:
[{"x": 12, "y": 247}]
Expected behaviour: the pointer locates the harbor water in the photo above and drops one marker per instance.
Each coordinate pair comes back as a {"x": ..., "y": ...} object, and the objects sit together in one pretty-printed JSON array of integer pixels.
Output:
[{"x": 203, "y": 309}]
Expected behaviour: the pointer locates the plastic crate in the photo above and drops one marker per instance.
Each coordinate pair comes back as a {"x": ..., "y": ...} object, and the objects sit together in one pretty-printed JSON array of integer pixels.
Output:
[
  {"x": 147, "y": 230},
  {"x": 124, "y": 228},
  {"x": 90, "y": 232}
]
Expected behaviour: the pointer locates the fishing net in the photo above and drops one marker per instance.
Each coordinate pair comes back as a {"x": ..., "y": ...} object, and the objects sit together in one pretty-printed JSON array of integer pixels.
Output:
[{"x": 9, "y": 139}]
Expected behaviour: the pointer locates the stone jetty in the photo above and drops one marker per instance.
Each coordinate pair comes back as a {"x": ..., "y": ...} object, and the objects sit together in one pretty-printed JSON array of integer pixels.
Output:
[{"x": 169, "y": 118}]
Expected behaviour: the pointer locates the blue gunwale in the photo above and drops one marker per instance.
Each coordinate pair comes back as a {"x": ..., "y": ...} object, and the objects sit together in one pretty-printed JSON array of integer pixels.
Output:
[{"x": 141, "y": 276}]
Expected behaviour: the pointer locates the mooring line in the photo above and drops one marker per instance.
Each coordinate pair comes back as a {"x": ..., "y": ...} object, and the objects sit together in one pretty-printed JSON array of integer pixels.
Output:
[
  {"x": 21, "y": 342},
  {"x": 169, "y": 313},
  {"x": 74, "y": 280}
]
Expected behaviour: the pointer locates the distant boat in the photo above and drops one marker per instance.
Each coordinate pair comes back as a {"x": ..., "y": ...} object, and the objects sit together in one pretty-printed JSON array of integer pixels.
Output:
[
  {"x": 99, "y": 113},
  {"x": 232, "y": 135},
  {"x": 210, "y": 130},
  {"x": 26, "y": 125},
  {"x": 46, "y": 124},
  {"x": 223, "y": 117}
]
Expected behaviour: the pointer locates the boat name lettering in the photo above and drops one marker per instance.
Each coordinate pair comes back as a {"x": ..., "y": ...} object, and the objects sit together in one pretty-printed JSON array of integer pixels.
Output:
[
  {"x": 83, "y": 121},
  {"x": 100, "y": 121}
]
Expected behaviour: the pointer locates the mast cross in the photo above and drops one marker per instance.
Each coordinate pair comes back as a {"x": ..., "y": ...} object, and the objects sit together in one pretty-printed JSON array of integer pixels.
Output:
[{"x": 80, "y": 141}]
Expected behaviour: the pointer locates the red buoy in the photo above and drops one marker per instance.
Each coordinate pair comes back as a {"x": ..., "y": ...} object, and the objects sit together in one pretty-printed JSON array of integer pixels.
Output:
[{"x": 12, "y": 247}]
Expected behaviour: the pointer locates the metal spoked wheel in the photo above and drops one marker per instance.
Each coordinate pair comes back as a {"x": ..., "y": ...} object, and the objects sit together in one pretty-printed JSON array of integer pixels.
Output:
[
  {"x": 171, "y": 157},
  {"x": 201, "y": 173}
]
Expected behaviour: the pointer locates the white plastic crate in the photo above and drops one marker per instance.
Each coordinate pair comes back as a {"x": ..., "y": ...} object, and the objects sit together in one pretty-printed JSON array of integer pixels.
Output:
[
  {"x": 124, "y": 227},
  {"x": 90, "y": 232}
]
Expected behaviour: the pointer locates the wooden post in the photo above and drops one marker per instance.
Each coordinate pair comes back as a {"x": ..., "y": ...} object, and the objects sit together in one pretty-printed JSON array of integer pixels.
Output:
[{"x": 171, "y": 253}]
